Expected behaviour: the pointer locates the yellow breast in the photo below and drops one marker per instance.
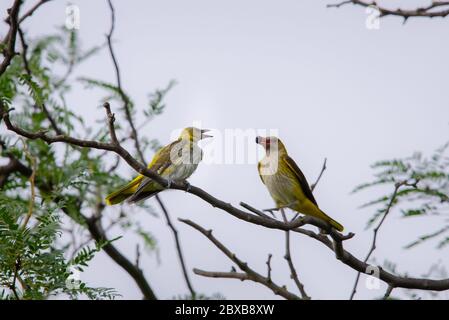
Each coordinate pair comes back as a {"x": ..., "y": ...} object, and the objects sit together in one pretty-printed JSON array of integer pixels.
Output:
[{"x": 282, "y": 184}]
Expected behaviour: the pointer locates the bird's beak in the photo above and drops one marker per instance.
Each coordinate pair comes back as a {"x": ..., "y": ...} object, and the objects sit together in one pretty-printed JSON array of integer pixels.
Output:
[
  {"x": 260, "y": 140},
  {"x": 203, "y": 135}
]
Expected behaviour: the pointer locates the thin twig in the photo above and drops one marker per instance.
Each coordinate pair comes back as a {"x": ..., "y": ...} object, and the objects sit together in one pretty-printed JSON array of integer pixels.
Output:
[
  {"x": 178, "y": 249},
  {"x": 124, "y": 97},
  {"x": 376, "y": 230},
  {"x": 288, "y": 258},
  {"x": 26, "y": 64},
  {"x": 423, "y": 12},
  {"x": 111, "y": 120},
  {"x": 254, "y": 210},
  {"x": 97, "y": 232},
  {"x": 32, "y": 186},
  {"x": 9, "y": 41},
  {"x": 135, "y": 138},
  {"x": 250, "y": 274},
  {"x": 312, "y": 186},
  {"x": 268, "y": 263},
  {"x": 32, "y": 10},
  {"x": 137, "y": 263},
  {"x": 388, "y": 292}
]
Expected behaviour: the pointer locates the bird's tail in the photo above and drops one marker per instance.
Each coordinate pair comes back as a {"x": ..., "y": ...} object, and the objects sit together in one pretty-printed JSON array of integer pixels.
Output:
[
  {"x": 143, "y": 195},
  {"x": 124, "y": 192},
  {"x": 332, "y": 222}
]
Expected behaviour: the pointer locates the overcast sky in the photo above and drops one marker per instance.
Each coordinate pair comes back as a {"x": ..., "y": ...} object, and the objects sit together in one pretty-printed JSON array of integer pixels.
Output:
[{"x": 326, "y": 83}]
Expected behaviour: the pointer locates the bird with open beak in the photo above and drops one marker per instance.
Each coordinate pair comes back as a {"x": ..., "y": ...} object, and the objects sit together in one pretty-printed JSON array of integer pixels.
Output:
[
  {"x": 176, "y": 161},
  {"x": 286, "y": 183}
]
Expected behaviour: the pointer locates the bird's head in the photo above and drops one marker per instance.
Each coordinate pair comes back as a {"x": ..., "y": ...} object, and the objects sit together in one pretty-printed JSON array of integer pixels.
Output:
[
  {"x": 271, "y": 144},
  {"x": 194, "y": 134}
]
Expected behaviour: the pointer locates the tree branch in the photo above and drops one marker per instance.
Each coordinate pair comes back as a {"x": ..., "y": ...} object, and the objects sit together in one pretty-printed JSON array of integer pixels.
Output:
[
  {"x": 268, "y": 263},
  {"x": 424, "y": 12},
  {"x": 97, "y": 232},
  {"x": 323, "y": 168},
  {"x": 388, "y": 292},
  {"x": 135, "y": 138},
  {"x": 376, "y": 230},
  {"x": 32, "y": 10},
  {"x": 178, "y": 248},
  {"x": 249, "y": 273},
  {"x": 14, "y": 165},
  {"x": 288, "y": 258},
  {"x": 26, "y": 64},
  {"x": 124, "y": 97},
  {"x": 10, "y": 40}
]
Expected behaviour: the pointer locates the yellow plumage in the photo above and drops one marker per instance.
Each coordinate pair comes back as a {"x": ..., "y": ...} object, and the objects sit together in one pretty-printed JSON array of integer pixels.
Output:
[
  {"x": 286, "y": 183},
  {"x": 175, "y": 162}
]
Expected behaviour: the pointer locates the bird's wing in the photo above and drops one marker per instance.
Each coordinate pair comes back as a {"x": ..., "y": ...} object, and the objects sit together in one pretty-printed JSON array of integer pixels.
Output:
[
  {"x": 161, "y": 161},
  {"x": 301, "y": 178},
  {"x": 258, "y": 169}
]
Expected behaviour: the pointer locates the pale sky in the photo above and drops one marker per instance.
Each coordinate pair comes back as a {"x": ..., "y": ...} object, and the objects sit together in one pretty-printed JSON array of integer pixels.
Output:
[{"x": 328, "y": 85}]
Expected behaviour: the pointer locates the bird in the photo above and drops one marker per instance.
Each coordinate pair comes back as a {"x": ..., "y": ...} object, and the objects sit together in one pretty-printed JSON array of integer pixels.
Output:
[
  {"x": 286, "y": 183},
  {"x": 176, "y": 161}
]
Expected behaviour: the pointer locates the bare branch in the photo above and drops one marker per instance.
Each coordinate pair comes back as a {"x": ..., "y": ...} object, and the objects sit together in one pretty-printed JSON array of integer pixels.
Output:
[
  {"x": 376, "y": 230},
  {"x": 123, "y": 96},
  {"x": 135, "y": 138},
  {"x": 250, "y": 274},
  {"x": 313, "y": 185},
  {"x": 111, "y": 120},
  {"x": 95, "y": 228},
  {"x": 137, "y": 263},
  {"x": 388, "y": 292},
  {"x": 32, "y": 10},
  {"x": 10, "y": 40},
  {"x": 225, "y": 275},
  {"x": 428, "y": 11},
  {"x": 268, "y": 263},
  {"x": 26, "y": 64},
  {"x": 254, "y": 210},
  {"x": 14, "y": 165},
  {"x": 288, "y": 258},
  {"x": 178, "y": 247}
]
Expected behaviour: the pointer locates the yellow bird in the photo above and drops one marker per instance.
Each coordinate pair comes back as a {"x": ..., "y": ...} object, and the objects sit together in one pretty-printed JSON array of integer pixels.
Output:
[
  {"x": 174, "y": 162},
  {"x": 286, "y": 183}
]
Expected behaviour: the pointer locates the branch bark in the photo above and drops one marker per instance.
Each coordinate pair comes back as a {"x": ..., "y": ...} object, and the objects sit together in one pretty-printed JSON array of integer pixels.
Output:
[
  {"x": 376, "y": 230},
  {"x": 97, "y": 232},
  {"x": 249, "y": 273},
  {"x": 288, "y": 258},
  {"x": 178, "y": 248},
  {"x": 423, "y": 12},
  {"x": 10, "y": 40},
  {"x": 137, "y": 145}
]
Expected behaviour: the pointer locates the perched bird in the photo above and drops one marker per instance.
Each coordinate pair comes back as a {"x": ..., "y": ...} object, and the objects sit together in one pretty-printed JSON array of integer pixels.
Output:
[
  {"x": 174, "y": 162},
  {"x": 286, "y": 183}
]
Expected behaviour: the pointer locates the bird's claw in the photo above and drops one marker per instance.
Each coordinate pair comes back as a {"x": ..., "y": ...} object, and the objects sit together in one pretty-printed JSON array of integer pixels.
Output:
[
  {"x": 187, "y": 185},
  {"x": 169, "y": 182}
]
